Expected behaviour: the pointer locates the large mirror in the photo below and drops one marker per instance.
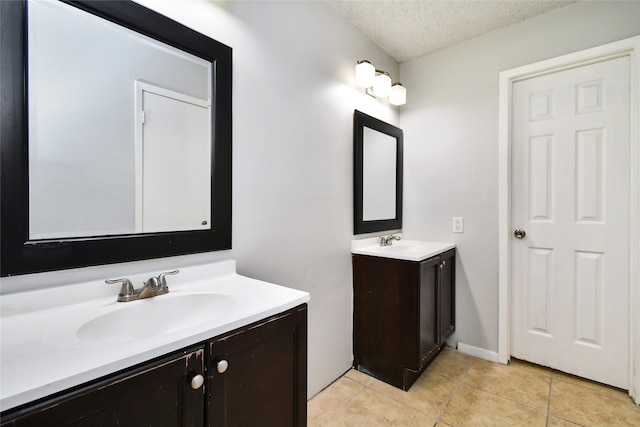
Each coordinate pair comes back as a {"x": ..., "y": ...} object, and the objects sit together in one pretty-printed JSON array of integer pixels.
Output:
[
  {"x": 119, "y": 149},
  {"x": 377, "y": 175}
]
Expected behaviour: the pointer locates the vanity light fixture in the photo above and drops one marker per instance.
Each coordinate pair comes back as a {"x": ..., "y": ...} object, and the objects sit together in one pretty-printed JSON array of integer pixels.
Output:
[{"x": 378, "y": 83}]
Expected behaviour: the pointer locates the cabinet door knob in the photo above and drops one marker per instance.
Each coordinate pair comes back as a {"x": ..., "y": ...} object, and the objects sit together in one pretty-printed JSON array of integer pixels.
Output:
[
  {"x": 197, "y": 381},
  {"x": 222, "y": 366}
]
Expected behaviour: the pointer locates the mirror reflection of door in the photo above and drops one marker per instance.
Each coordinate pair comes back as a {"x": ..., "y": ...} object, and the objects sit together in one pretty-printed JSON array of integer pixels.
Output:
[
  {"x": 173, "y": 190},
  {"x": 379, "y": 175}
]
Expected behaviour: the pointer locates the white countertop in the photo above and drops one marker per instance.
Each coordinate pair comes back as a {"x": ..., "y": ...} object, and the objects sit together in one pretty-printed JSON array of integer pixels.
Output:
[
  {"x": 41, "y": 354},
  {"x": 408, "y": 250}
]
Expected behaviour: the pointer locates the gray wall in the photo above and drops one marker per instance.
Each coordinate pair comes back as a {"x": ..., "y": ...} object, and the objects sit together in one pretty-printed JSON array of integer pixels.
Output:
[{"x": 451, "y": 142}]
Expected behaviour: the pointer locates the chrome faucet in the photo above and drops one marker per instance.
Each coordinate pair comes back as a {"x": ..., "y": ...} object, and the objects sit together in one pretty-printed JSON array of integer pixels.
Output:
[
  {"x": 153, "y": 287},
  {"x": 388, "y": 240}
]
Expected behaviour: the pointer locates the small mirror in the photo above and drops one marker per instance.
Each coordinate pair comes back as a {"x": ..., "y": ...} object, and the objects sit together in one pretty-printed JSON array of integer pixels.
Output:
[{"x": 378, "y": 175}]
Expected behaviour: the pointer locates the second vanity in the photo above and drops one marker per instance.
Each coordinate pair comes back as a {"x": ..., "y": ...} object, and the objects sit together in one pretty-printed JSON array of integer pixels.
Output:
[
  {"x": 219, "y": 349},
  {"x": 404, "y": 307}
]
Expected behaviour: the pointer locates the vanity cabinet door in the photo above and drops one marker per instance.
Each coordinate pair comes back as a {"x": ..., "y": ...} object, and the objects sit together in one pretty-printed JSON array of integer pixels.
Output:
[
  {"x": 158, "y": 394},
  {"x": 258, "y": 374},
  {"x": 446, "y": 296},
  {"x": 428, "y": 312}
]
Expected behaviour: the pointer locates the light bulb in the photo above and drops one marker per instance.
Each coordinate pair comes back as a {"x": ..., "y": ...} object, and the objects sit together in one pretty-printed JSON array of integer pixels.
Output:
[
  {"x": 398, "y": 95},
  {"x": 365, "y": 74},
  {"x": 382, "y": 85}
]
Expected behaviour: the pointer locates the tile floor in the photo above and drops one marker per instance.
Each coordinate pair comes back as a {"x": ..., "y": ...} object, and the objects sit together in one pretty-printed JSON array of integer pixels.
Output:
[{"x": 460, "y": 390}]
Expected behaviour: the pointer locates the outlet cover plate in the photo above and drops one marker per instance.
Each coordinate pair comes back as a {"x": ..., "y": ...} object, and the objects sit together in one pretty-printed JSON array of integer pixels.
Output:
[{"x": 457, "y": 224}]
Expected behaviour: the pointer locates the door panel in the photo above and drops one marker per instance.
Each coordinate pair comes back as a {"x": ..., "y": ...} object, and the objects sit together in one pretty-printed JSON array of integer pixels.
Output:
[{"x": 570, "y": 183}]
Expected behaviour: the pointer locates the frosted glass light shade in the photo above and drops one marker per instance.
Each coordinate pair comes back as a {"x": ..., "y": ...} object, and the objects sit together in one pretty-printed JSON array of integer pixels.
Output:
[
  {"x": 398, "y": 95},
  {"x": 382, "y": 85},
  {"x": 365, "y": 74}
]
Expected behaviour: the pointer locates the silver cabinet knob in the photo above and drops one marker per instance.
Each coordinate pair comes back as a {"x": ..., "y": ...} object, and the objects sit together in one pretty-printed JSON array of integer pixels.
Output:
[
  {"x": 519, "y": 233},
  {"x": 197, "y": 381},
  {"x": 222, "y": 366}
]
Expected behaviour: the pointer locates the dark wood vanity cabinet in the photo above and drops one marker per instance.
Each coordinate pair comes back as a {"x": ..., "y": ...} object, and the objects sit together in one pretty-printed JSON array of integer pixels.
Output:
[
  {"x": 403, "y": 313},
  {"x": 264, "y": 384}
]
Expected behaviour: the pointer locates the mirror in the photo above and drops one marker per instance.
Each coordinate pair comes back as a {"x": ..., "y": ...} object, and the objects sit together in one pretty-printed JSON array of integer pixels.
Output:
[
  {"x": 377, "y": 175},
  {"x": 120, "y": 148},
  {"x": 137, "y": 160}
]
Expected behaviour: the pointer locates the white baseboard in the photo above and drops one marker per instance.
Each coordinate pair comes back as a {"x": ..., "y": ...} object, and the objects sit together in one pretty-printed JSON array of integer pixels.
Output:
[{"x": 479, "y": 352}]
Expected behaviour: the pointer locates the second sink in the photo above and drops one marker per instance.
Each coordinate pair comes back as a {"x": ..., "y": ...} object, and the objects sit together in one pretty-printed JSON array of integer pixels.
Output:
[{"x": 410, "y": 250}]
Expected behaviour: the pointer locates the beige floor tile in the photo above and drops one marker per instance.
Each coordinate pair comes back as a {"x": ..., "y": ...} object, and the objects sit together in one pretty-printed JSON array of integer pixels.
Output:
[
  {"x": 561, "y": 376},
  {"x": 330, "y": 400},
  {"x": 590, "y": 407},
  {"x": 527, "y": 386},
  {"x": 559, "y": 422},
  {"x": 428, "y": 394},
  {"x": 370, "y": 408},
  {"x": 474, "y": 407},
  {"x": 451, "y": 363},
  {"x": 358, "y": 376},
  {"x": 531, "y": 367},
  {"x": 459, "y": 390}
]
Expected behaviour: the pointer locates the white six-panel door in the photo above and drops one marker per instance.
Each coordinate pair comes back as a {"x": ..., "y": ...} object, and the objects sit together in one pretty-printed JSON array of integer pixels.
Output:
[{"x": 570, "y": 195}]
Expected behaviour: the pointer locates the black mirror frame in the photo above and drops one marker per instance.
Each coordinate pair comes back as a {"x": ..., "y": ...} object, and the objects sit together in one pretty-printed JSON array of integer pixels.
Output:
[
  {"x": 21, "y": 255},
  {"x": 360, "y": 121}
]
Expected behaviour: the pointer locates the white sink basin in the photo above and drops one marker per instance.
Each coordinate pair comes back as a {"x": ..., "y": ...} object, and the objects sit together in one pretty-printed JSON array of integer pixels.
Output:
[
  {"x": 150, "y": 317},
  {"x": 409, "y": 250}
]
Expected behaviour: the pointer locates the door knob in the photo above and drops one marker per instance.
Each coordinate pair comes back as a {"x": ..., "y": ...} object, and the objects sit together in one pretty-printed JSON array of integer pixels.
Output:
[
  {"x": 222, "y": 366},
  {"x": 519, "y": 233},
  {"x": 197, "y": 381}
]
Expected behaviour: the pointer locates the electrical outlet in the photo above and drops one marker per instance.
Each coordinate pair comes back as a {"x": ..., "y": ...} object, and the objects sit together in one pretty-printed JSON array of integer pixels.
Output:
[{"x": 457, "y": 224}]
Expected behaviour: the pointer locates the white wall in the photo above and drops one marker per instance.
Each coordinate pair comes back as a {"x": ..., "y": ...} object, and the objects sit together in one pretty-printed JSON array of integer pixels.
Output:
[
  {"x": 293, "y": 102},
  {"x": 450, "y": 125}
]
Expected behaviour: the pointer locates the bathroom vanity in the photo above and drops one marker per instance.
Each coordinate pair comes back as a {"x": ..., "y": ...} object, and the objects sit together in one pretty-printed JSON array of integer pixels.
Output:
[
  {"x": 404, "y": 308},
  {"x": 243, "y": 362}
]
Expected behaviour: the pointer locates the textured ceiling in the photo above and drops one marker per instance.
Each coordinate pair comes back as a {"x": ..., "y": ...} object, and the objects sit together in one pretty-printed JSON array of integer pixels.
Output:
[{"x": 408, "y": 29}]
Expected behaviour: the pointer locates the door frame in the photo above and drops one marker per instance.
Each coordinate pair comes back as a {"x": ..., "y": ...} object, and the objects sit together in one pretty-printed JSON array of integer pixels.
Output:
[{"x": 628, "y": 47}]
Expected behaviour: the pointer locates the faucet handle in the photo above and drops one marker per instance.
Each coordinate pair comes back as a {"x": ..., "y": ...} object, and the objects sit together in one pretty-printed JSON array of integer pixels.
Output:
[
  {"x": 163, "y": 281},
  {"x": 126, "y": 289},
  {"x": 152, "y": 283}
]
